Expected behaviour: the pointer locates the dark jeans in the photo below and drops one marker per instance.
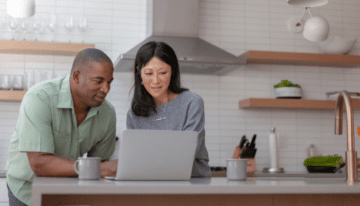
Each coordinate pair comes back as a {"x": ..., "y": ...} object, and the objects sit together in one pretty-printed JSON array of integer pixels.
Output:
[{"x": 13, "y": 201}]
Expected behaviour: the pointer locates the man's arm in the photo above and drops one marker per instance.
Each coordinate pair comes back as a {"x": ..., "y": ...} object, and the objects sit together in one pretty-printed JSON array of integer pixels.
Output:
[{"x": 48, "y": 165}]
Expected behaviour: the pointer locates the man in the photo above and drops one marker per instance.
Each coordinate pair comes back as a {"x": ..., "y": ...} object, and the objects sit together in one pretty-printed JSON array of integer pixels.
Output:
[{"x": 59, "y": 121}]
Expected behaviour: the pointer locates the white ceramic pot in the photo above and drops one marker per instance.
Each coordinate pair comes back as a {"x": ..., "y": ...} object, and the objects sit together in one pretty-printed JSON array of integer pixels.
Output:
[
  {"x": 288, "y": 92},
  {"x": 337, "y": 45}
]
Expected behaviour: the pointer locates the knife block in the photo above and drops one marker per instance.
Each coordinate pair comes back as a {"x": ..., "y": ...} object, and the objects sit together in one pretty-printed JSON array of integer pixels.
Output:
[{"x": 250, "y": 165}]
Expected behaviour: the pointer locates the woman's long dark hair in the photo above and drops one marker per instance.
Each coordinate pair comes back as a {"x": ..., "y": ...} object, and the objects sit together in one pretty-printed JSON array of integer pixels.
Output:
[{"x": 143, "y": 103}]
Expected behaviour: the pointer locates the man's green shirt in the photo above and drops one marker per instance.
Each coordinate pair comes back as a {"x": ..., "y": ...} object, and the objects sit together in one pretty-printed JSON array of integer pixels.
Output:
[{"x": 47, "y": 123}]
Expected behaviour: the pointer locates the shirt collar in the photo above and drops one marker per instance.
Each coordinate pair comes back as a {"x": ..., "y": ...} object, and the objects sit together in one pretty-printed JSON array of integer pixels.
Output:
[
  {"x": 65, "y": 100},
  {"x": 93, "y": 111}
]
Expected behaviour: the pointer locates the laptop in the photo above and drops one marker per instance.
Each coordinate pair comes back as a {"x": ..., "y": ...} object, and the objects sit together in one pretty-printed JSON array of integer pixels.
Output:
[{"x": 156, "y": 155}]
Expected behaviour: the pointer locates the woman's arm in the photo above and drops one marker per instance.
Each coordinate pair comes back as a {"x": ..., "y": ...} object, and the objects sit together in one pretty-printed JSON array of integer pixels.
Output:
[
  {"x": 195, "y": 121},
  {"x": 129, "y": 124}
]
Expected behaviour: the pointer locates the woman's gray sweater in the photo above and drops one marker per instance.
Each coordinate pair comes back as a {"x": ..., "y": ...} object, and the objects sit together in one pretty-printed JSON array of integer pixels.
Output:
[{"x": 184, "y": 113}]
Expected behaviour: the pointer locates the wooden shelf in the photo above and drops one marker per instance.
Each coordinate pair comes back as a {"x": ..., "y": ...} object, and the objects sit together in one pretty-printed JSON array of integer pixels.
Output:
[
  {"x": 260, "y": 103},
  {"x": 293, "y": 58},
  {"x": 8, "y": 95},
  {"x": 42, "y": 48}
]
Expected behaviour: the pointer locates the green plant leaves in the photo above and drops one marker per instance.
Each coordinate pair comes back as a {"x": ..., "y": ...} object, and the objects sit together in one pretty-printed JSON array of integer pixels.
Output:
[
  {"x": 286, "y": 83},
  {"x": 333, "y": 161}
]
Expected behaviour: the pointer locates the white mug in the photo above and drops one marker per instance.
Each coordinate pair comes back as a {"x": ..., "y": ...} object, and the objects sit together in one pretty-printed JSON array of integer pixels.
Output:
[
  {"x": 236, "y": 169},
  {"x": 88, "y": 168}
]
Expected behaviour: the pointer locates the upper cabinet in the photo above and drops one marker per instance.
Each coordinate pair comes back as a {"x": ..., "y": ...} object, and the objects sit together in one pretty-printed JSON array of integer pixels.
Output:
[
  {"x": 42, "y": 48},
  {"x": 293, "y": 58}
]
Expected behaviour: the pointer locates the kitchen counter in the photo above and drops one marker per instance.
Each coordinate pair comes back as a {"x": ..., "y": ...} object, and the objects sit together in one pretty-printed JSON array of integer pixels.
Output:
[{"x": 62, "y": 191}]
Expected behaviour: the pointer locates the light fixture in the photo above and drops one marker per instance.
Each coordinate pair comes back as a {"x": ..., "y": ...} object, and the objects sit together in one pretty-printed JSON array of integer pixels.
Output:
[
  {"x": 316, "y": 28},
  {"x": 21, "y": 8}
]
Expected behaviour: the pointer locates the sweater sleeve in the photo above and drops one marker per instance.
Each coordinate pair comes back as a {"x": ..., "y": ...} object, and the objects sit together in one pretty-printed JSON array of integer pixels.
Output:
[{"x": 195, "y": 121}]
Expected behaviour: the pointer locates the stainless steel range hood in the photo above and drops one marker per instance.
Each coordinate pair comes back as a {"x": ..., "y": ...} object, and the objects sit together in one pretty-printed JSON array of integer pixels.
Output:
[{"x": 176, "y": 23}]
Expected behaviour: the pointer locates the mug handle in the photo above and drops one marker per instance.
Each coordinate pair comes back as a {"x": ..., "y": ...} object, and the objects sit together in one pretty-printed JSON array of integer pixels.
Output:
[{"x": 76, "y": 165}]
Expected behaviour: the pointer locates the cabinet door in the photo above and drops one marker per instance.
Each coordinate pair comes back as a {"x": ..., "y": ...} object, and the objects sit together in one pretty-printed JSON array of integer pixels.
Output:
[{"x": 3, "y": 192}]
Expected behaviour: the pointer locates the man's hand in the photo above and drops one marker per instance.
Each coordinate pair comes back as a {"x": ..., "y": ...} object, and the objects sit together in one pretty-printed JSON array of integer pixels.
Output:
[{"x": 108, "y": 168}]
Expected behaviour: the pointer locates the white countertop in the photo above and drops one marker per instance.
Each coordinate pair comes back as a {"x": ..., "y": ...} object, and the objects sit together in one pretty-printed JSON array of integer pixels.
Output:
[
  {"x": 253, "y": 185},
  {"x": 196, "y": 186}
]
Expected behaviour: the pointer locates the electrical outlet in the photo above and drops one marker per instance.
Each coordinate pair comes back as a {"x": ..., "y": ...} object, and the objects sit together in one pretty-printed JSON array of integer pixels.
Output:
[{"x": 281, "y": 140}]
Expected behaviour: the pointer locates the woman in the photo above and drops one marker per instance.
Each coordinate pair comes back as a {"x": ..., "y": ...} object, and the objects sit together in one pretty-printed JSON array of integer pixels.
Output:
[{"x": 159, "y": 103}]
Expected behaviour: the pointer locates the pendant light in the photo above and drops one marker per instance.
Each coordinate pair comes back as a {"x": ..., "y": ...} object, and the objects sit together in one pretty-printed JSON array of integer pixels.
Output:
[
  {"x": 316, "y": 28},
  {"x": 21, "y": 8}
]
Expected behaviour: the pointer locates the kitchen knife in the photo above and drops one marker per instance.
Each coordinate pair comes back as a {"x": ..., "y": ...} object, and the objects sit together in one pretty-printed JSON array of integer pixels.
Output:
[
  {"x": 242, "y": 141},
  {"x": 252, "y": 144}
]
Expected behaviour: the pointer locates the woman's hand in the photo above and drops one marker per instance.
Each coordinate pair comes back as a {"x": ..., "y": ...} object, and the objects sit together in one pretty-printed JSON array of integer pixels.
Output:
[{"x": 109, "y": 168}]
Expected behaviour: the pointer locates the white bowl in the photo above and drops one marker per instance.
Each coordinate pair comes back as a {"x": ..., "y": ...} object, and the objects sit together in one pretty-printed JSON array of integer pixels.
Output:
[
  {"x": 288, "y": 92},
  {"x": 337, "y": 45}
]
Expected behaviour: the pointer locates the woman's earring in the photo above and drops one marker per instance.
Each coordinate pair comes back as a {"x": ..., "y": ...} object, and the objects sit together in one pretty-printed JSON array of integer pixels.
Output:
[{"x": 142, "y": 83}]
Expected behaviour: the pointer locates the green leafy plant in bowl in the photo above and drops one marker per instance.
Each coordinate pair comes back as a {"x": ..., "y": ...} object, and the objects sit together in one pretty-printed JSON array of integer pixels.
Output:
[
  {"x": 286, "y": 83},
  {"x": 332, "y": 161},
  {"x": 328, "y": 164},
  {"x": 286, "y": 89}
]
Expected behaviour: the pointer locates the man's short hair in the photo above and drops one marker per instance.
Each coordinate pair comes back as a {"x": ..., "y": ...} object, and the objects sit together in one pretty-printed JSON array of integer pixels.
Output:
[{"x": 89, "y": 55}]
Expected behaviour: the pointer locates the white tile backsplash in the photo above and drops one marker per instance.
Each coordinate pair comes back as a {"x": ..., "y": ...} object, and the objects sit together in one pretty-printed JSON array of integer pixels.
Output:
[{"x": 236, "y": 26}]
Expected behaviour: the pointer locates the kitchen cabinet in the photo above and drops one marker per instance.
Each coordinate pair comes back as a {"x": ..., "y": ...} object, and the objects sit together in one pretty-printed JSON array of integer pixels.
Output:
[
  {"x": 294, "y": 58},
  {"x": 257, "y": 103}
]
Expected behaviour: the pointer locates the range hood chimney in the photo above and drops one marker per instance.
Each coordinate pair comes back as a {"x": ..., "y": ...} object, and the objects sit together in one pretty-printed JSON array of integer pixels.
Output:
[{"x": 175, "y": 22}]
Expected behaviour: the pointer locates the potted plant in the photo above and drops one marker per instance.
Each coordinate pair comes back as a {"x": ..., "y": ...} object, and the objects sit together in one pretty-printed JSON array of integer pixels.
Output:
[{"x": 286, "y": 89}]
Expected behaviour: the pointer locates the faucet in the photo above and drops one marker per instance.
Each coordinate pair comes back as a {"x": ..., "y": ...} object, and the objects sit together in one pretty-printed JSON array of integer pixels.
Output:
[{"x": 350, "y": 154}]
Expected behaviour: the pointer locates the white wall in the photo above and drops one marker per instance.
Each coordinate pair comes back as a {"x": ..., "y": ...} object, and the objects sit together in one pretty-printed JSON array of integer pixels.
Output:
[{"x": 236, "y": 26}]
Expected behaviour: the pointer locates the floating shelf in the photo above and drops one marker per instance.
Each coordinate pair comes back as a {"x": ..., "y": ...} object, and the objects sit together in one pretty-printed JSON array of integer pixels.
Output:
[
  {"x": 259, "y": 103},
  {"x": 8, "y": 95},
  {"x": 293, "y": 58},
  {"x": 42, "y": 48}
]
